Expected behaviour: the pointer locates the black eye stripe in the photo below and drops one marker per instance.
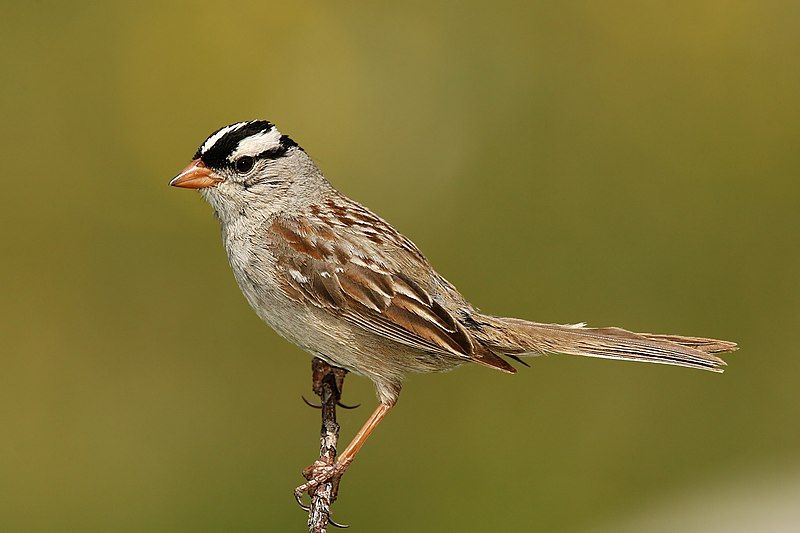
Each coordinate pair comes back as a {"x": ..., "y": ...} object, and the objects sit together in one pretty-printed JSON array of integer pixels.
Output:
[{"x": 273, "y": 153}]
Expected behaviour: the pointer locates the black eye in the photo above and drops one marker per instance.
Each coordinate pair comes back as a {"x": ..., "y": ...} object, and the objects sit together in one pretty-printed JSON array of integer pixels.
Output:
[{"x": 244, "y": 164}]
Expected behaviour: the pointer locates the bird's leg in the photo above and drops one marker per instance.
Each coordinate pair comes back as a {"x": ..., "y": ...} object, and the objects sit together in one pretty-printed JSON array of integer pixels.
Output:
[{"x": 319, "y": 472}]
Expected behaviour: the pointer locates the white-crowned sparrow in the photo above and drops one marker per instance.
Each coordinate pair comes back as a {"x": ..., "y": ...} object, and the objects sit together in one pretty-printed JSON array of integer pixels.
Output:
[{"x": 341, "y": 283}]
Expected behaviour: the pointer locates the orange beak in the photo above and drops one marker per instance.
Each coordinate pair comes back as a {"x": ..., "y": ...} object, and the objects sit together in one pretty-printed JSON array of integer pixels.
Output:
[{"x": 195, "y": 176}]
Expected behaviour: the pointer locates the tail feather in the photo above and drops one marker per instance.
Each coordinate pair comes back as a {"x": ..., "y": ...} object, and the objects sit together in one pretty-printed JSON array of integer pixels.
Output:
[
  {"x": 515, "y": 337},
  {"x": 704, "y": 345}
]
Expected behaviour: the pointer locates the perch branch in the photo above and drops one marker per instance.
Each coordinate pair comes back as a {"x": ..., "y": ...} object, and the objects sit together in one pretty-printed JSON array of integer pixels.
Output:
[{"x": 327, "y": 382}]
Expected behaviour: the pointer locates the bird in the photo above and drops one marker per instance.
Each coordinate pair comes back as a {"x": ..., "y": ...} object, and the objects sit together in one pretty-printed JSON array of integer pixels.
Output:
[{"x": 340, "y": 282}]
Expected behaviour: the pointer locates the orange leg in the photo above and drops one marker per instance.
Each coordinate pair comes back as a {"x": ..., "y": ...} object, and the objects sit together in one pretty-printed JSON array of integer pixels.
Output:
[{"x": 320, "y": 473}]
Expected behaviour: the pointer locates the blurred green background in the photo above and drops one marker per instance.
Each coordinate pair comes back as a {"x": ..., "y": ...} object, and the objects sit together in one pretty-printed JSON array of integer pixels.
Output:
[{"x": 620, "y": 163}]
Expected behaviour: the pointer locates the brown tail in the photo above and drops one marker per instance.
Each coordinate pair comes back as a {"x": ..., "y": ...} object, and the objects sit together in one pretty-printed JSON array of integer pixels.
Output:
[{"x": 515, "y": 337}]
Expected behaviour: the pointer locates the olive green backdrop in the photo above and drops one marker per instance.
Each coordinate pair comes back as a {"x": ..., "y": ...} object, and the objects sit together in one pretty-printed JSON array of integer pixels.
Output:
[{"x": 620, "y": 163}]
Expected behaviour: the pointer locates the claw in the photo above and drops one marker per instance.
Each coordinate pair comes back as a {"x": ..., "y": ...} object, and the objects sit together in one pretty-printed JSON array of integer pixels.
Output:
[
  {"x": 336, "y": 524},
  {"x": 340, "y": 404},
  {"x": 315, "y": 406},
  {"x": 299, "y": 497},
  {"x": 307, "y": 508}
]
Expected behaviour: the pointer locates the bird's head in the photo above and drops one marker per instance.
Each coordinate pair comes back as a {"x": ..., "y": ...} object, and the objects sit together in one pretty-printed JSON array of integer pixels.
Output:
[{"x": 246, "y": 163}]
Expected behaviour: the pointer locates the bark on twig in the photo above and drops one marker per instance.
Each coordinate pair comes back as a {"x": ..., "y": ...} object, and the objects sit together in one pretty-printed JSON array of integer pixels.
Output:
[{"x": 327, "y": 384}]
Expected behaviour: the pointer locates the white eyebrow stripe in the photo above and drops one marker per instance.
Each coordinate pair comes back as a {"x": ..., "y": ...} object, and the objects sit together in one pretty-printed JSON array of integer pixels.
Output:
[
  {"x": 257, "y": 143},
  {"x": 211, "y": 141}
]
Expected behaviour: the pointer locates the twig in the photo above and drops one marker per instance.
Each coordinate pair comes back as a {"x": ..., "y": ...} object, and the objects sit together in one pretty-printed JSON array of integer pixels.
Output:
[{"x": 327, "y": 382}]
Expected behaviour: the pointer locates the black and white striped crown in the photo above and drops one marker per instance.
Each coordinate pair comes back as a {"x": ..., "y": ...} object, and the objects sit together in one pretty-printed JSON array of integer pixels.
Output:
[{"x": 254, "y": 138}]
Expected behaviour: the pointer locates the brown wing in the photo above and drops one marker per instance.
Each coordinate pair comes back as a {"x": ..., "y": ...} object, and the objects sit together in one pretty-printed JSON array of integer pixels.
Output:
[{"x": 353, "y": 264}]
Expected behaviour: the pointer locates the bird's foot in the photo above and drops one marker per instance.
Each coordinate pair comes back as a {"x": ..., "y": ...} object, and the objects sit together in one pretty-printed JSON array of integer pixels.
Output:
[{"x": 318, "y": 473}]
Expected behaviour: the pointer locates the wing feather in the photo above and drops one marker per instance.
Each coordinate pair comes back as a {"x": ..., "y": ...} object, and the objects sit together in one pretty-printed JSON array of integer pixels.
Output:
[{"x": 355, "y": 278}]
